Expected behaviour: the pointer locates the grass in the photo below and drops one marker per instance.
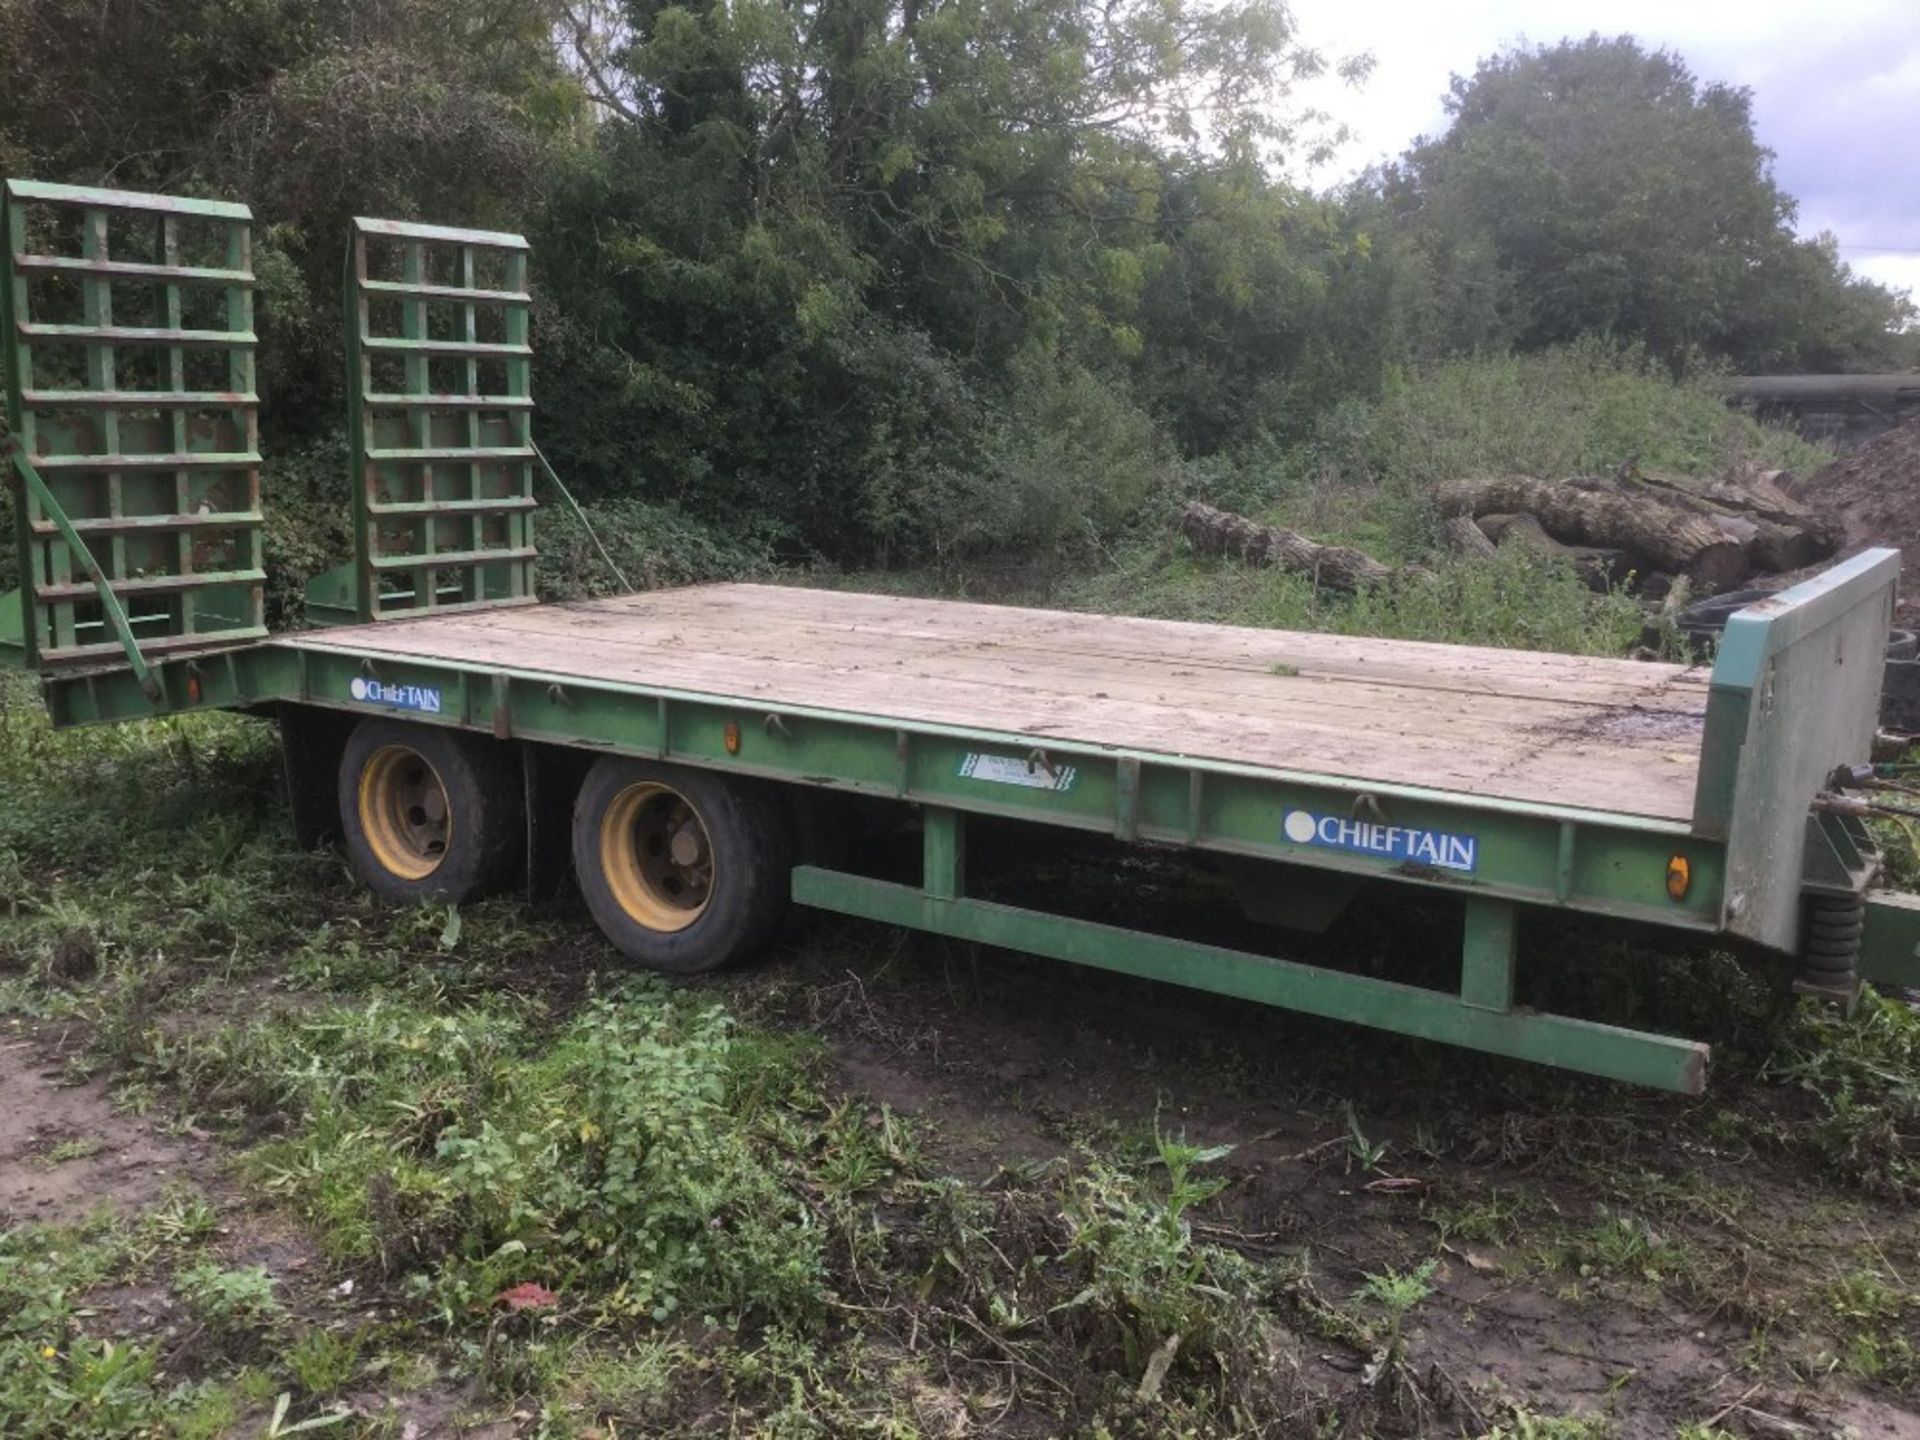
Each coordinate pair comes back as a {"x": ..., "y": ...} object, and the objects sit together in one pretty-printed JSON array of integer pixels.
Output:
[{"x": 79, "y": 1148}]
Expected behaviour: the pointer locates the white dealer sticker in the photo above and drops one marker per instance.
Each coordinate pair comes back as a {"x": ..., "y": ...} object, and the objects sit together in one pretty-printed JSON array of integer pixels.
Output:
[
  {"x": 424, "y": 698},
  {"x": 1439, "y": 848},
  {"x": 1007, "y": 770}
]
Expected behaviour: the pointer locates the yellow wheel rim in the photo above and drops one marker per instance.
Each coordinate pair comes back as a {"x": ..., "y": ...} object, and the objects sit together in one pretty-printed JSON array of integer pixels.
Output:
[
  {"x": 404, "y": 812},
  {"x": 656, "y": 856}
]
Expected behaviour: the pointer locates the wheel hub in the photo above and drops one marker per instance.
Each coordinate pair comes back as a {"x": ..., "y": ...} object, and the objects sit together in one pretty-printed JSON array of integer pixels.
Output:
[
  {"x": 656, "y": 856},
  {"x": 404, "y": 812}
]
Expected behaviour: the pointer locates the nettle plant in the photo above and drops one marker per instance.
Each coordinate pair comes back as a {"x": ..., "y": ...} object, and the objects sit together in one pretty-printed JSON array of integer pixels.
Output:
[{"x": 617, "y": 1162}]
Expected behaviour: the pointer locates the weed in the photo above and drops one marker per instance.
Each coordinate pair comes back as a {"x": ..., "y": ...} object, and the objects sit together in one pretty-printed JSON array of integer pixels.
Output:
[
  {"x": 1868, "y": 1313},
  {"x": 1621, "y": 1247},
  {"x": 324, "y": 1360},
  {"x": 234, "y": 1304},
  {"x": 281, "y": 1423},
  {"x": 1395, "y": 1294},
  {"x": 46, "y": 1270},
  {"x": 181, "y": 1220},
  {"x": 80, "y": 1148},
  {"x": 1496, "y": 1218},
  {"x": 1360, "y": 1150},
  {"x": 1863, "y": 1072},
  {"x": 1521, "y": 1423},
  {"x": 626, "y": 1384},
  {"x": 1145, "y": 1279}
]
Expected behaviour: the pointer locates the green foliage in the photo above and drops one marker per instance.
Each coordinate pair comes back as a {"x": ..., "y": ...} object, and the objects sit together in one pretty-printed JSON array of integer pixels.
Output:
[
  {"x": 325, "y": 1361},
  {"x": 1622, "y": 1247},
  {"x": 1595, "y": 188},
  {"x": 234, "y": 1303},
  {"x": 653, "y": 545},
  {"x": 1521, "y": 1423},
  {"x": 1397, "y": 1292},
  {"x": 55, "y": 1379},
  {"x": 618, "y": 1162},
  {"x": 1513, "y": 600},
  {"x": 1583, "y": 409},
  {"x": 880, "y": 285},
  {"x": 1145, "y": 1278},
  {"x": 467, "y": 1147},
  {"x": 1862, "y": 1072}
]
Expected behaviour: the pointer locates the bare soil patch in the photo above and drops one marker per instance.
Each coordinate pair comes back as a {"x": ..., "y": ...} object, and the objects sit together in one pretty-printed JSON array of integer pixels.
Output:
[
  {"x": 1874, "y": 494},
  {"x": 65, "y": 1152}
]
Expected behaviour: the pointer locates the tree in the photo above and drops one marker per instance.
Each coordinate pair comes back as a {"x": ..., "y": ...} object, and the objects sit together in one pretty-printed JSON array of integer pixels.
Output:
[
  {"x": 817, "y": 240},
  {"x": 1597, "y": 187}
]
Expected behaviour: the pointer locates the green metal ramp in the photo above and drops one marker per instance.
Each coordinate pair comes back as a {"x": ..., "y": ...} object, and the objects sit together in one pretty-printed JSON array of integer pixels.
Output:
[
  {"x": 133, "y": 441},
  {"x": 440, "y": 407}
]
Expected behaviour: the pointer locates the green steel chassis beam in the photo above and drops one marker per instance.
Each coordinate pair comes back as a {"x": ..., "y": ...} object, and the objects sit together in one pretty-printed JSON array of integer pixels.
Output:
[
  {"x": 1481, "y": 1017},
  {"x": 1585, "y": 860}
]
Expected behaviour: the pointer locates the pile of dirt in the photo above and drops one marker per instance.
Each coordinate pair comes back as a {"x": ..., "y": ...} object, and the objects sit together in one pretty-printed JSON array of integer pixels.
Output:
[{"x": 1873, "y": 494}]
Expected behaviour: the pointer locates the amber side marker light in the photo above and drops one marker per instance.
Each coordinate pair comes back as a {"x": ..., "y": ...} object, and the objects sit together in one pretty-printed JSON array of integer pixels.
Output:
[
  {"x": 731, "y": 736},
  {"x": 1679, "y": 877}
]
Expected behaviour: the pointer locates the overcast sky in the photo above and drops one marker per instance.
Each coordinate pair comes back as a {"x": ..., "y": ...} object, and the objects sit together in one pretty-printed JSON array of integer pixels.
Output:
[{"x": 1836, "y": 90}]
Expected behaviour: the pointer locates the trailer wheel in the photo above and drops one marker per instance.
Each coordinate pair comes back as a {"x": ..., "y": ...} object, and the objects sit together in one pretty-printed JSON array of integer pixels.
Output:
[
  {"x": 683, "y": 870},
  {"x": 429, "y": 814}
]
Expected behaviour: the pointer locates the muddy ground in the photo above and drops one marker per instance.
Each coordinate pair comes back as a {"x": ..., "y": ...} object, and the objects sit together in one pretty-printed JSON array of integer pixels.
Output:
[{"x": 1012, "y": 1064}]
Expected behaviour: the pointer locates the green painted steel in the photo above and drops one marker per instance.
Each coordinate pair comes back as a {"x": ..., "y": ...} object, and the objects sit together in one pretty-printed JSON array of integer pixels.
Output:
[
  {"x": 1795, "y": 694},
  {"x": 944, "y": 852},
  {"x": 130, "y": 388},
  {"x": 1487, "y": 955},
  {"x": 1890, "y": 944},
  {"x": 1582, "y": 860},
  {"x": 439, "y": 422},
  {"x": 110, "y": 606},
  {"x": 1580, "y": 1045}
]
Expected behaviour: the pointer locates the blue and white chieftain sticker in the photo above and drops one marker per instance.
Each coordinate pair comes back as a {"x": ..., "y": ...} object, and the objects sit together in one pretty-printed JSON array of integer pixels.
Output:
[
  {"x": 424, "y": 698},
  {"x": 1439, "y": 848}
]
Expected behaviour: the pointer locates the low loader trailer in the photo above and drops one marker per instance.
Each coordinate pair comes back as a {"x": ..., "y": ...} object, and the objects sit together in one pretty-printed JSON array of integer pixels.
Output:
[{"x": 677, "y": 753}]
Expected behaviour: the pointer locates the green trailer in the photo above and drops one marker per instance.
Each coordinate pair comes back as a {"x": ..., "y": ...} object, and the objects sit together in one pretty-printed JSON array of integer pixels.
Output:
[{"x": 678, "y": 755}]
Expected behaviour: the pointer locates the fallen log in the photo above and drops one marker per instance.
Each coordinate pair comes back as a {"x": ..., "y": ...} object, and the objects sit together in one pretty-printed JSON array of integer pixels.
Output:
[
  {"x": 1464, "y": 537},
  {"x": 1597, "y": 513},
  {"x": 1335, "y": 567},
  {"x": 1779, "y": 532},
  {"x": 1600, "y": 567}
]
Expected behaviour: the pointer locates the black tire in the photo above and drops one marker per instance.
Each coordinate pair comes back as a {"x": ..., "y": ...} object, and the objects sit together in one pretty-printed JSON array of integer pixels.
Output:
[
  {"x": 652, "y": 903},
  {"x": 478, "y": 846}
]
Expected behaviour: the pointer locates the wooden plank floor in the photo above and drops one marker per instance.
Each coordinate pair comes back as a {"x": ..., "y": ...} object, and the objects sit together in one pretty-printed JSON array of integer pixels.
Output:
[{"x": 1613, "y": 735}]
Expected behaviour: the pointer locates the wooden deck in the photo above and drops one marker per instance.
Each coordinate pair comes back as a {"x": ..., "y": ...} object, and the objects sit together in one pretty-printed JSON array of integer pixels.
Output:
[{"x": 1610, "y": 735}]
